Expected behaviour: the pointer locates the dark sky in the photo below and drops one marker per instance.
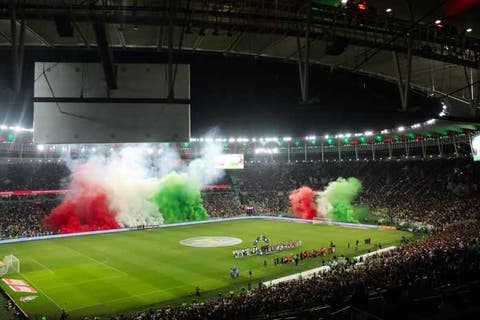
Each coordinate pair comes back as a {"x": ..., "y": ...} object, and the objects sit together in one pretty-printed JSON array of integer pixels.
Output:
[{"x": 247, "y": 96}]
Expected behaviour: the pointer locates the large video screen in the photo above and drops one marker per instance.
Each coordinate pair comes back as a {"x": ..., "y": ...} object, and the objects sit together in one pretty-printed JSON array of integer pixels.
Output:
[
  {"x": 229, "y": 161},
  {"x": 476, "y": 147}
]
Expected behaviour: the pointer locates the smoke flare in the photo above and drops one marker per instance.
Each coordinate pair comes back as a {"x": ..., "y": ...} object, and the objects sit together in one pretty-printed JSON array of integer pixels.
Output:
[
  {"x": 84, "y": 211},
  {"x": 335, "y": 202},
  {"x": 302, "y": 204},
  {"x": 179, "y": 199},
  {"x": 133, "y": 187}
]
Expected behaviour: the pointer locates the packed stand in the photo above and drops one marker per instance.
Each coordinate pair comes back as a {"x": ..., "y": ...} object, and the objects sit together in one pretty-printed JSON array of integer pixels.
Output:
[
  {"x": 221, "y": 203},
  {"x": 20, "y": 216},
  {"x": 436, "y": 192}
]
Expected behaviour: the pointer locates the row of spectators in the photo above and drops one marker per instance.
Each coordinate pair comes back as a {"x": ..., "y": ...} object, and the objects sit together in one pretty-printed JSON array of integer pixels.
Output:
[
  {"x": 436, "y": 192},
  {"x": 449, "y": 257},
  {"x": 20, "y": 216},
  {"x": 33, "y": 176}
]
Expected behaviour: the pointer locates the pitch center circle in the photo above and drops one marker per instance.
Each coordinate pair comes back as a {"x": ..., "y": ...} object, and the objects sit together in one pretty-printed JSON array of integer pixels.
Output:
[{"x": 206, "y": 242}]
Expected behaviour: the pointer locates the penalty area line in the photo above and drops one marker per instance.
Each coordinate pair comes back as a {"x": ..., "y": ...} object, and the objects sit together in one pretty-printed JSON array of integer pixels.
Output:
[
  {"x": 96, "y": 260},
  {"x": 42, "y": 265},
  {"x": 40, "y": 290}
]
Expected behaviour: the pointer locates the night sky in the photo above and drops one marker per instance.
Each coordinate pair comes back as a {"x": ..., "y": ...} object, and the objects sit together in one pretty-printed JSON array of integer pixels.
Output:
[{"x": 248, "y": 97}]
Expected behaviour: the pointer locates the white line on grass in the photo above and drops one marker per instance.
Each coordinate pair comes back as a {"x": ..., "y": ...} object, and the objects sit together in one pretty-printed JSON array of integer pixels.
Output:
[
  {"x": 72, "y": 284},
  {"x": 43, "y": 292},
  {"x": 97, "y": 261},
  {"x": 42, "y": 265}
]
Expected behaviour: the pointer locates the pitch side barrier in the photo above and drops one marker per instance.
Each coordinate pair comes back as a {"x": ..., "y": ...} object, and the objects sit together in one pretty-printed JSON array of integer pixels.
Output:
[
  {"x": 171, "y": 225},
  {"x": 308, "y": 274}
]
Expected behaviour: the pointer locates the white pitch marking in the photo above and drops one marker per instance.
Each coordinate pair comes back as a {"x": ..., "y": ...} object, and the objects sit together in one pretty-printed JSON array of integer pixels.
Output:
[
  {"x": 42, "y": 265},
  {"x": 43, "y": 292},
  {"x": 97, "y": 261}
]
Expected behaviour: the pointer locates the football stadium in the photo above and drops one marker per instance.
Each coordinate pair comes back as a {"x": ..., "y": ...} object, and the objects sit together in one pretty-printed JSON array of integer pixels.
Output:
[{"x": 230, "y": 159}]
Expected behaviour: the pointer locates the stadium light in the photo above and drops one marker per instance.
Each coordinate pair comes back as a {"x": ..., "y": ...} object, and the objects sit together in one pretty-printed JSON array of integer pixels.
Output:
[
  {"x": 385, "y": 131},
  {"x": 231, "y": 140},
  {"x": 286, "y": 139},
  {"x": 400, "y": 129},
  {"x": 431, "y": 121},
  {"x": 444, "y": 110},
  {"x": 368, "y": 133},
  {"x": 416, "y": 125},
  {"x": 266, "y": 150},
  {"x": 93, "y": 149},
  {"x": 388, "y": 10},
  {"x": 40, "y": 147},
  {"x": 327, "y": 136},
  {"x": 348, "y": 135},
  {"x": 469, "y": 30},
  {"x": 4, "y": 127}
]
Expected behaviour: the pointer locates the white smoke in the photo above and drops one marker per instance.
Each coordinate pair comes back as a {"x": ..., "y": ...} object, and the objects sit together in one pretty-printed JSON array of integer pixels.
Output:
[
  {"x": 132, "y": 176},
  {"x": 323, "y": 205},
  {"x": 203, "y": 170}
]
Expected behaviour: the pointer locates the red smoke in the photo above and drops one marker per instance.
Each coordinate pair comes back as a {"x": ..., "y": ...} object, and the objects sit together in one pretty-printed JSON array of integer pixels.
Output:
[
  {"x": 454, "y": 7},
  {"x": 301, "y": 201},
  {"x": 86, "y": 209}
]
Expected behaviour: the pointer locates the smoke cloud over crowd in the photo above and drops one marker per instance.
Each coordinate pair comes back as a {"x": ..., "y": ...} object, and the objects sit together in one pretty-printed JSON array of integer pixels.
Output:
[
  {"x": 335, "y": 202},
  {"x": 132, "y": 187}
]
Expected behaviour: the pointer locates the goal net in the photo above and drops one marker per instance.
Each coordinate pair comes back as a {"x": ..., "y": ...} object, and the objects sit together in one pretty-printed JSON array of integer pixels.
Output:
[{"x": 9, "y": 264}]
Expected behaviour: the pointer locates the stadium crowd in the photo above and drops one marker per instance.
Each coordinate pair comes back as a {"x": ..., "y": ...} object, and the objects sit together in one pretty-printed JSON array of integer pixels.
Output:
[
  {"x": 20, "y": 216},
  {"x": 436, "y": 192}
]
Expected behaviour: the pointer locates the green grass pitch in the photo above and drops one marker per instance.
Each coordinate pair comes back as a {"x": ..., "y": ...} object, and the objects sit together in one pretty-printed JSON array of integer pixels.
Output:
[{"x": 131, "y": 271}]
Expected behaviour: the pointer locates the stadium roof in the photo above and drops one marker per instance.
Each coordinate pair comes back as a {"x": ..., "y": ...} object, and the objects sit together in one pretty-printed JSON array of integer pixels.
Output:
[{"x": 442, "y": 36}]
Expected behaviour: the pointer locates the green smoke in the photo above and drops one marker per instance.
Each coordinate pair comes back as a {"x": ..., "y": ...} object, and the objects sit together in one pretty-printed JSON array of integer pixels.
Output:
[
  {"x": 179, "y": 199},
  {"x": 340, "y": 193}
]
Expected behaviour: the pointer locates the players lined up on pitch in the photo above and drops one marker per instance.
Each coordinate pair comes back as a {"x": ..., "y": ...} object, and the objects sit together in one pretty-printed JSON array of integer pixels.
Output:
[
  {"x": 321, "y": 252},
  {"x": 267, "y": 249}
]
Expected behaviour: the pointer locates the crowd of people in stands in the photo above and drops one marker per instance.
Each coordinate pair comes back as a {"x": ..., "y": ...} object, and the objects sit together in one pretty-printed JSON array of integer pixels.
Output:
[
  {"x": 20, "y": 216},
  {"x": 221, "y": 203},
  {"x": 33, "y": 176},
  {"x": 436, "y": 192}
]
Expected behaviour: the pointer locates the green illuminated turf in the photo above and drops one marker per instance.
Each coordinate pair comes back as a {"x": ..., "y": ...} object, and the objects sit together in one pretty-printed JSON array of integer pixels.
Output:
[{"x": 131, "y": 271}]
